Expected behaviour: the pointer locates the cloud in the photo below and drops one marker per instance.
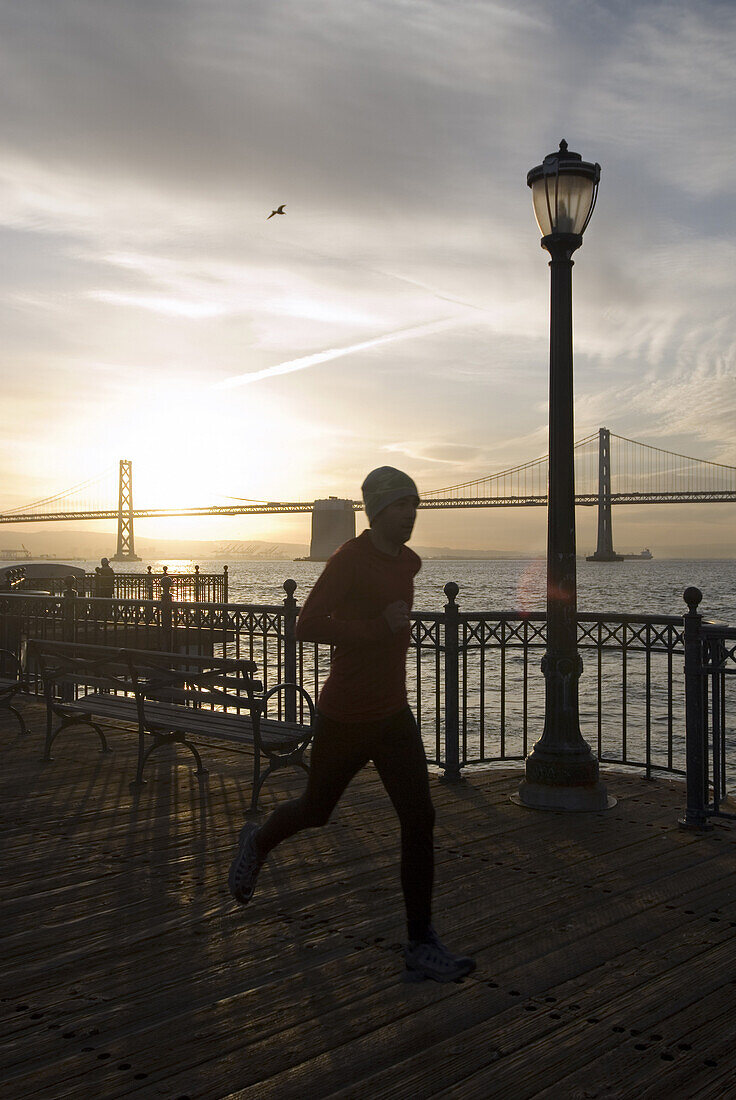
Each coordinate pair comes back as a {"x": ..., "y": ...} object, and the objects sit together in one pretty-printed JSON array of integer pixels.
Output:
[
  {"x": 451, "y": 454},
  {"x": 196, "y": 97},
  {"x": 671, "y": 65},
  {"x": 337, "y": 353}
]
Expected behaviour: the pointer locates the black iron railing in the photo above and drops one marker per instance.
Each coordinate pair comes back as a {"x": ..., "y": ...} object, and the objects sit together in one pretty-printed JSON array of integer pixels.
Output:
[
  {"x": 193, "y": 587},
  {"x": 631, "y": 691},
  {"x": 710, "y": 663},
  {"x": 473, "y": 677}
]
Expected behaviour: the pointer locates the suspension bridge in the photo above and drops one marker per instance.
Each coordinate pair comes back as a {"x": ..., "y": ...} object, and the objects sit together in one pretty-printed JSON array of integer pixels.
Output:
[{"x": 609, "y": 470}]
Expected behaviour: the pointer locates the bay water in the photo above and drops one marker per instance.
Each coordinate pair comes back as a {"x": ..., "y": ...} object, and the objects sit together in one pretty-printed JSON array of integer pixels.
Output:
[{"x": 651, "y": 587}]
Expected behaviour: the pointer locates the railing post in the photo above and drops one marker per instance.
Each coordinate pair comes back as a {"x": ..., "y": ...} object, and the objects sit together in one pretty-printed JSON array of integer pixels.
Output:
[
  {"x": 69, "y": 612},
  {"x": 68, "y": 631},
  {"x": 149, "y": 584},
  {"x": 167, "y": 641},
  {"x": 719, "y": 657},
  {"x": 225, "y": 578},
  {"x": 695, "y": 716},
  {"x": 289, "y": 649},
  {"x": 452, "y": 687},
  {"x": 196, "y": 584}
]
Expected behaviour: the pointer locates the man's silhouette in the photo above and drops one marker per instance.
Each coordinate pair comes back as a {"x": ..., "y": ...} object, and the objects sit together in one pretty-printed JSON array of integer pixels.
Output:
[
  {"x": 104, "y": 579},
  {"x": 360, "y": 605}
]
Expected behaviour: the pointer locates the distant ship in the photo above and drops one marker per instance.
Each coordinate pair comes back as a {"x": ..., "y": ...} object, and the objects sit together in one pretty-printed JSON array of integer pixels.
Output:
[{"x": 646, "y": 555}]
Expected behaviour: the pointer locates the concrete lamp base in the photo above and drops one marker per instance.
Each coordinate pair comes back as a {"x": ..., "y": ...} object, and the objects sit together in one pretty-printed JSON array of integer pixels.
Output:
[{"x": 584, "y": 799}]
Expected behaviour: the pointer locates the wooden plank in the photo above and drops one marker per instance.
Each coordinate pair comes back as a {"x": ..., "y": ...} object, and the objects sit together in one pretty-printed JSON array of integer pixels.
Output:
[
  {"x": 131, "y": 946},
  {"x": 507, "y": 1048},
  {"x": 108, "y": 916},
  {"x": 672, "y": 1059}
]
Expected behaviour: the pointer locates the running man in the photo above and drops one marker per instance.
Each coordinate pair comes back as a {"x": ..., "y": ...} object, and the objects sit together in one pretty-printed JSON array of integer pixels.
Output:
[{"x": 361, "y": 605}]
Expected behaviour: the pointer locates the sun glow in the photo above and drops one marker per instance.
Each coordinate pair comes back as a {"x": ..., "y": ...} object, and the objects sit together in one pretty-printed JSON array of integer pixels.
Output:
[{"x": 194, "y": 446}]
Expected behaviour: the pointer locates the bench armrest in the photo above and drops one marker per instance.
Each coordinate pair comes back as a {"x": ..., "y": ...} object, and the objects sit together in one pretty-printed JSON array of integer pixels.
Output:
[{"x": 263, "y": 701}]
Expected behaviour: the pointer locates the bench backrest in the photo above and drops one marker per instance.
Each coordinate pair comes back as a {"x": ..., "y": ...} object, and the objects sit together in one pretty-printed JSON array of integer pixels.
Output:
[
  {"x": 185, "y": 679},
  {"x": 189, "y": 680},
  {"x": 97, "y": 667}
]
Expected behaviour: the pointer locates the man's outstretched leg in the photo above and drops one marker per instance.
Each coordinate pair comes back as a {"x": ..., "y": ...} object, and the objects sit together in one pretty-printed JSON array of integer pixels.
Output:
[
  {"x": 401, "y": 762},
  {"x": 338, "y": 753}
]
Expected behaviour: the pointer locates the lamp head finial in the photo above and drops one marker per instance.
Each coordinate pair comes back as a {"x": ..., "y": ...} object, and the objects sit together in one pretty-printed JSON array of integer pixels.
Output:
[{"x": 564, "y": 189}]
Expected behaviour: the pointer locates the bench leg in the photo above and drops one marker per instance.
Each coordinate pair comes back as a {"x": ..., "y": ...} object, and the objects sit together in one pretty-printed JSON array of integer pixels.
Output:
[
  {"x": 100, "y": 734},
  {"x": 19, "y": 716},
  {"x": 158, "y": 740},
  {"x": 258, "y": 781},
  {"x": 201, "y": 770},
  {"x": 49, "y": 736},
  {"x": 70, "y": 720},
  {"x": 275, "y": 764},
  {"x": 139, "y": 781}
]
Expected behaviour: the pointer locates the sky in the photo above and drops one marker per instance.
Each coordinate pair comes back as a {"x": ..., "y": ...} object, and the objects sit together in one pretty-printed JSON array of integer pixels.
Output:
[{"x": 398, "y": 312}]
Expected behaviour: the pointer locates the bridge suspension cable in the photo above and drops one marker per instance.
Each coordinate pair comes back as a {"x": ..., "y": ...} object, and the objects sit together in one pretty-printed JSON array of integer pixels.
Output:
[
  {"x": 529, "y": 479},
  {"x": 644, "y": 468},
  {"x": 64, "y": 495}
]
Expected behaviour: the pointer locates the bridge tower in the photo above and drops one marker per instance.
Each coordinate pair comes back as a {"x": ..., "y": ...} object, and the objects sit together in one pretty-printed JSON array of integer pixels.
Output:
[
  {"x": 333, "y": 523},
  {"x": 126, "y": 549},
  {"x": 604, "y": 550}
]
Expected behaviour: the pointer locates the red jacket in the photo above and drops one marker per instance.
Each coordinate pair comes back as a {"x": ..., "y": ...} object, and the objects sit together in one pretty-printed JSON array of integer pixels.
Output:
[{"x": 367, "y": 678}]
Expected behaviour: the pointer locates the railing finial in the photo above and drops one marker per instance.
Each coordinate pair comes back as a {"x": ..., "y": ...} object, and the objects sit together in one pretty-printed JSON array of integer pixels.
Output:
[
  {"x": 289, "y": 587},
  {"x": 692, "y": 597},
  {"x": 451, "y": 590}
]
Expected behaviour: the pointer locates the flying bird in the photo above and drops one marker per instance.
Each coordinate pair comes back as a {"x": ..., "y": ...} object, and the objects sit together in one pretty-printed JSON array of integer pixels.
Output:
[{"x": 280, "y": 210}]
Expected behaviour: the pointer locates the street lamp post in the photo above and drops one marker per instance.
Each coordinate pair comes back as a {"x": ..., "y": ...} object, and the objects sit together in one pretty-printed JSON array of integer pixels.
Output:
[{"x": 561, "y": 771}]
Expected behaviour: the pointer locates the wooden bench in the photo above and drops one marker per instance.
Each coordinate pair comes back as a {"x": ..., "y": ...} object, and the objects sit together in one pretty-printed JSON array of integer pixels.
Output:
[
  {"x": 170, "y": 698},
  {"x": 11, "y": 682}
]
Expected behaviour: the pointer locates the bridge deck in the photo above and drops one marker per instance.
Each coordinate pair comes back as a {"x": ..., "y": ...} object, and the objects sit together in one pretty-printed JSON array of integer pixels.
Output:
[
  {"x": 517, "y": 499},
  {"x": 605, "y": 943}
]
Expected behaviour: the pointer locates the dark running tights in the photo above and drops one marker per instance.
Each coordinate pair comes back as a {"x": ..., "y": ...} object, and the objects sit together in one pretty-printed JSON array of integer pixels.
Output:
[{"x": 339, "y": 751}]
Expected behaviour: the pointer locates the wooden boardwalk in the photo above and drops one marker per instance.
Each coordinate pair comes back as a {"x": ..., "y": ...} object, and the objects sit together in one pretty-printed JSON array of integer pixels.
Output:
[{"x": 606, "y": 943}]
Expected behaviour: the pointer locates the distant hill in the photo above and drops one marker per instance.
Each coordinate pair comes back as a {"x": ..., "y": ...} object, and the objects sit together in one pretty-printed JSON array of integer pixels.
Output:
[
  {"x": 447, "y": 553},
  {"x": 88, "y": 545}
]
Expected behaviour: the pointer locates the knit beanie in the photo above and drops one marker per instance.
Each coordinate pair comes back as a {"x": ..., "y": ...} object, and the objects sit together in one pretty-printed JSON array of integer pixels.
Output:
[{"x": 384, "y": 486}]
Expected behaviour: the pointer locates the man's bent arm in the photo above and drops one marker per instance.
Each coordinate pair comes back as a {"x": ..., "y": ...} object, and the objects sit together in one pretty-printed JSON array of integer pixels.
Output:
[{"x": 317, "y": 622}]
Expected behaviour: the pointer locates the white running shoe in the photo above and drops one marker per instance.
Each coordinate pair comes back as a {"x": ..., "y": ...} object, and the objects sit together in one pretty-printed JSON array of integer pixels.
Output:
[
  {"x": 430, "y": 958},
  {"x": 246, "y": 865}
]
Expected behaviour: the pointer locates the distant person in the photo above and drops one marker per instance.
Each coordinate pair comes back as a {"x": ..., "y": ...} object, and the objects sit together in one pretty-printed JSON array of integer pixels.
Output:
[
  {"x": 361, "y": 605},
  {"x": 104, "y": 580}
]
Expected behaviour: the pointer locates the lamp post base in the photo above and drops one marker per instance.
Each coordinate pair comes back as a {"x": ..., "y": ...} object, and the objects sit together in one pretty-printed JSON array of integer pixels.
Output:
[
  {"x": 561, "y": 773},
  {"x": 540, "y": 796}
]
